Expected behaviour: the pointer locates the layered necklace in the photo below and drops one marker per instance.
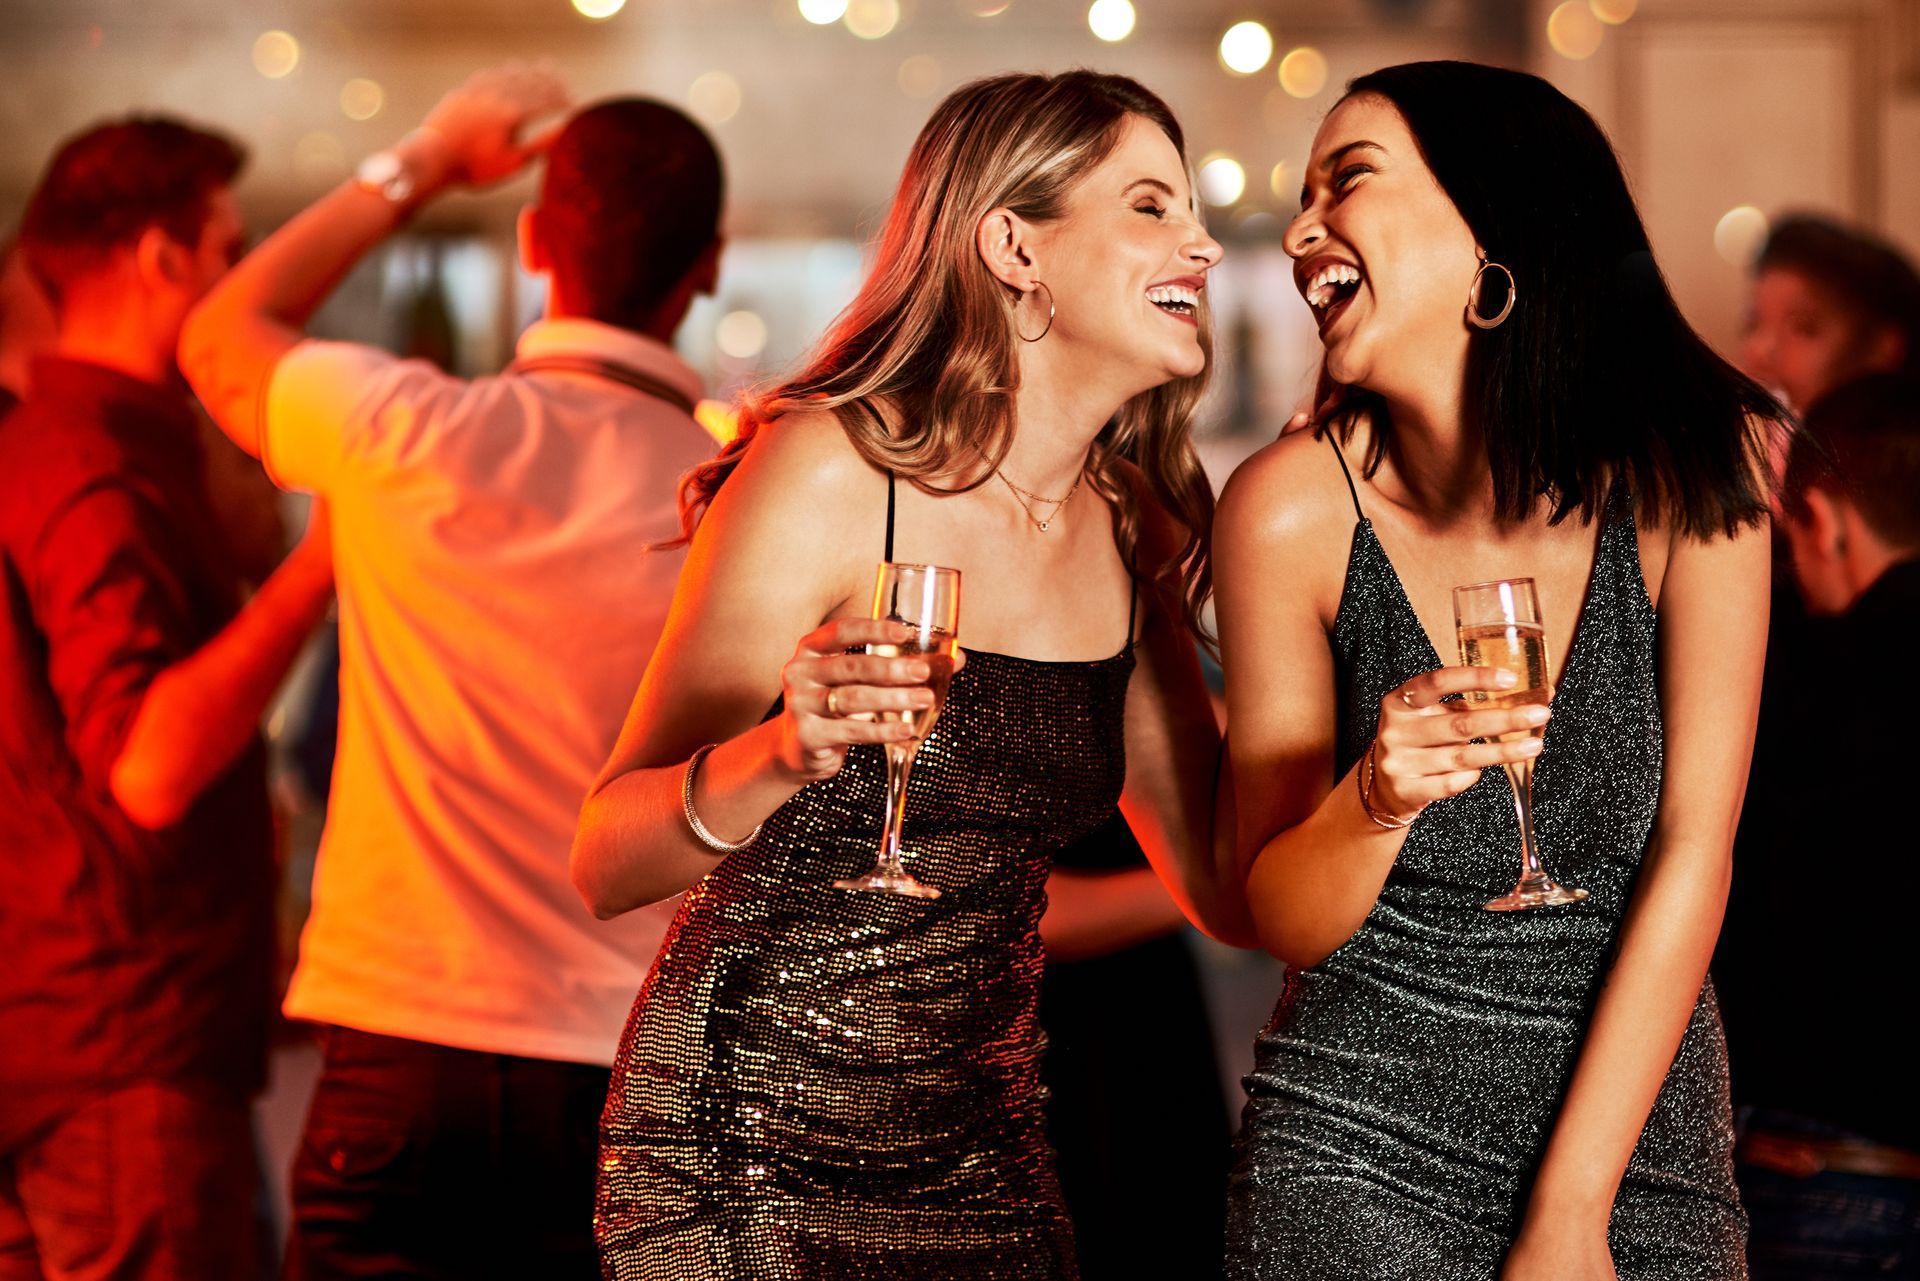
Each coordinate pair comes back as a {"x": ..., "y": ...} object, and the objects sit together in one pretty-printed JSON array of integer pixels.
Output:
[{"x": 1028, "y": 500}]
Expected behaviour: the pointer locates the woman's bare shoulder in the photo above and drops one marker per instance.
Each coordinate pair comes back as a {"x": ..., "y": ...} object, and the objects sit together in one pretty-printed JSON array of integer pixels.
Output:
[{"x": 1289, "y": 496}]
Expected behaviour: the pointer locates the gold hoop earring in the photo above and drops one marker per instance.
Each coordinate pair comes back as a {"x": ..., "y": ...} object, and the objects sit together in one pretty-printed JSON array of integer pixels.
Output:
[
  {"x": 1038, "y": 284},
  {"x": 1474, "y": 316}
]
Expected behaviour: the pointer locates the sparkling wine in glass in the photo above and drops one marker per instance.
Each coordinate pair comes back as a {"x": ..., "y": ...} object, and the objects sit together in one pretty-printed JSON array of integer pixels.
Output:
[
  {"x": 1499, "y": 626},
  {"x": 926, "y": 598}
]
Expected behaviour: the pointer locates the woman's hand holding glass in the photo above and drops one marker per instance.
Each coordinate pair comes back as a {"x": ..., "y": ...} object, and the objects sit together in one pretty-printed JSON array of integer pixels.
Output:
[
  {"x": 833, "y": 698},
  {"x": 1425, "y": 749}
]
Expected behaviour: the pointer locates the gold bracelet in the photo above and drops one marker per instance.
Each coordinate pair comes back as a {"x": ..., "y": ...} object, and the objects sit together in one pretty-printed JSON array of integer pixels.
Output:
[
  {"x": 700, "y": 831},
  {"x": 1363, "y": 780}
]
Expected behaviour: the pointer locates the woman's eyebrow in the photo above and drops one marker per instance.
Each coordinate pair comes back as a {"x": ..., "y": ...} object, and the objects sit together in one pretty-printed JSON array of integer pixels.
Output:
[{"x": 1155, "y": 183}]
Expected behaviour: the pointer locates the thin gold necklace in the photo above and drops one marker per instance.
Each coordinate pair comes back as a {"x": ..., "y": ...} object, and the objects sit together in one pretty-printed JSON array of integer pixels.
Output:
[{"x": 1022, "y": 496}]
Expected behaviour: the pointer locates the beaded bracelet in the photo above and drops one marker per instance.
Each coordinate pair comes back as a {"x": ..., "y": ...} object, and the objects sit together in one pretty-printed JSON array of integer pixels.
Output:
[
  {"x": 1363, "y": 780},
  {"x": 707, "y": 838}
]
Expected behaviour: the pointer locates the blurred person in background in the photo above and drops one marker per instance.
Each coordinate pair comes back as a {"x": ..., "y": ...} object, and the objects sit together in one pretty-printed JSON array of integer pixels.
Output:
[
  {"x": 1813, "y": 969},
  {"x": 498, "y": 604},
  {"x": 1446, "y": 1090},
  {"x": 134, "y": 823},
  {"x": 1136, "y": 1112},
  {"x": 28, "y": 327},
  {"x": 1829, "y": 303},
  {"x": 827, "y": 1081}
]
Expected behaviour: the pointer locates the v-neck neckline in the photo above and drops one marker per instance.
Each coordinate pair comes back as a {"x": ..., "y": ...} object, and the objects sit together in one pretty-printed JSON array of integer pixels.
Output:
[{"x": 1575, "y": 648}]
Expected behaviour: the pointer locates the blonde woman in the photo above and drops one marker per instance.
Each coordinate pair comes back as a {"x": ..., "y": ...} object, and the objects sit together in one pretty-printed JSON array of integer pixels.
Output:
[{"x": 820, "y": 1082}]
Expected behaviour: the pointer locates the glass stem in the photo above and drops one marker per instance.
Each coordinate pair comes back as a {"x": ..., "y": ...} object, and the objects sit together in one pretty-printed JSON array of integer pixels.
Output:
[
  {"x": 899, "y": 765},
  {"x": 1520, "y": 777}
]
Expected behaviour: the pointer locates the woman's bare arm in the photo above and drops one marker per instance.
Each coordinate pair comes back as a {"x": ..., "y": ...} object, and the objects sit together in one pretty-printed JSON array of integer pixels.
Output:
[
  {"x": 795, "y": 525},
  {"x": 1713, "y": 612}
]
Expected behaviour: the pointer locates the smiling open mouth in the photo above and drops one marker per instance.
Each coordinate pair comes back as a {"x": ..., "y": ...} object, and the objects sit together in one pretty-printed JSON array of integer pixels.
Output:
[
  {"x": 1332, "y": 285},
  {"x": 1176, "y": 300}
]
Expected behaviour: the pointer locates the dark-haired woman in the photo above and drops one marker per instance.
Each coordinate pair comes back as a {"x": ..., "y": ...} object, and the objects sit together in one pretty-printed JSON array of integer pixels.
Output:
[
  {"x": 818, "y": 1082},
  {"x": 1445, "y": 1091}
]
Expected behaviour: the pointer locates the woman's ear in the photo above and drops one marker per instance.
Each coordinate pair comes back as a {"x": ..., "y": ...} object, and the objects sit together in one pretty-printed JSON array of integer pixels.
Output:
[{"x": 1004, "y": 239}]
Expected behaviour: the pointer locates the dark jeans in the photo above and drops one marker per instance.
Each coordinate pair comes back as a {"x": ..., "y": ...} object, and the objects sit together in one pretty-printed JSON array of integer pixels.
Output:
[
  {"x": 1828, "y": 1226},
  {"x": 150, "y": 1182},
  {"x": 424, "y": 1161}
]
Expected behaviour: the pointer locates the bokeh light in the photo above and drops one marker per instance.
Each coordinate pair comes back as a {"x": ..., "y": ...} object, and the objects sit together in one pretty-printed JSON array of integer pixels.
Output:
[
  {"x": 987, "y": 8},
  {"x": 1303, "y": 72},
  {"x": 1613, "y": 12},
  {"x": 1246, "y": 47},
  {"x": 1222, "y": 180},
  {"x": 1573, "y": 31},
  {"x": 872, "y": 19},
  {"x": 741, "y": 334},
  {"x": 362, "y": 99},
  {"x": 1740, "y": 235},
  {"x": 598, "y": 10},
  {"x": 823, "y": 12},
  {"x": 276, "y": 54},
  {"x": 919, "y": 76},
  {"x": 1281, "y": 182},
  {"x": 1111, "y": 20},
  {"x": 714, "y": 97}
]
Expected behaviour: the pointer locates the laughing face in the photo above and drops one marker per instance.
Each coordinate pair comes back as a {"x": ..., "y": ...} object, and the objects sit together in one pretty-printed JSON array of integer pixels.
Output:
[
  {"x": 1381, "y": 255},
  {"x": 1128, "y": 262}
]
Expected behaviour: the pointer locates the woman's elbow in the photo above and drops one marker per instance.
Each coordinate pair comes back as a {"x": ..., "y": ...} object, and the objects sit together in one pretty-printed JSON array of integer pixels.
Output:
[
  {"x": 146, "y": 794},
  {"x": 587, "y": 868}
]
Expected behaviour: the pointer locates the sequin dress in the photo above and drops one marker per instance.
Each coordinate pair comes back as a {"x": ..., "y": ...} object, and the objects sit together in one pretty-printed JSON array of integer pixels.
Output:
[
  {"x": 1403, "y": 1092},
  {"x": 834, "y": 1085}
]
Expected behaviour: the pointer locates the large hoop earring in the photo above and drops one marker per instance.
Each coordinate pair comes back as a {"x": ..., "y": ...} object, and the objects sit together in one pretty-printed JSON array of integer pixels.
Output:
[
  {"x": 1038, "y": 284},
  {"x": 1474, "y": 316}
]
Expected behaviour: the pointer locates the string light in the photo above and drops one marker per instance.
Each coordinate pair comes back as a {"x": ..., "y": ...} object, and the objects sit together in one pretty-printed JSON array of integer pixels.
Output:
[
  {"x": 823, "y": 12},
  {"x": 1613, "y": 12},
  {"x": 1740, "y": 235},
  {"x": 872, "y": 19},
  {"x": 1246, "y": 47},
  {"x": 1111, "y": 20},
  {"x": 1303, "y": 72},
  {"x": 598, "y": 10},
  {"x": 1222, "y": 180},
  {"x": 276, "y": 54},
  {"x": 741, "y": 334},
  {"x": 715, "y": 97},
  {"x": 1574, "y": 32},
  {"x": 362, "y": 99}
]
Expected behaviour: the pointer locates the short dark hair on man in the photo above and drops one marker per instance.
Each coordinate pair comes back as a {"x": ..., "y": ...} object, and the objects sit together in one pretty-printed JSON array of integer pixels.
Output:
[
  {"x": 1869, "y": 276},
  {"x": 104, "y": 188},
  {"x": 1862, "y": 440},
  {"x": 630, "y": 200}
]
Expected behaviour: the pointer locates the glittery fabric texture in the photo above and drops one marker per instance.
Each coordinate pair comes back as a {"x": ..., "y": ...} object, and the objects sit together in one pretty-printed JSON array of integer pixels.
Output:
[
  {"x": 816, "y": 1083},
  {"x": 1405, "y": 1088}
]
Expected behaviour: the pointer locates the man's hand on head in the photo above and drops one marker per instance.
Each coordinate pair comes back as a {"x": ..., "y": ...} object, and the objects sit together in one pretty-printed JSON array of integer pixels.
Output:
[{"x": 478, "y": 131}]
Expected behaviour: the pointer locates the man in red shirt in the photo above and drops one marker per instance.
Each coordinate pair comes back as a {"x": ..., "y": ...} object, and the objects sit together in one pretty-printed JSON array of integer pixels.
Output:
[{"x": 135, "y": 840}]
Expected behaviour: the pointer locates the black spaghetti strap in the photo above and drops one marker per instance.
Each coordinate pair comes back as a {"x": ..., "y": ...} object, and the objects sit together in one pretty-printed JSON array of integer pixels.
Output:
[
  {"x": 889, "y": 555},
  {"x": 1358, "y": 514},
  {"x": 1133, "y": 608}
]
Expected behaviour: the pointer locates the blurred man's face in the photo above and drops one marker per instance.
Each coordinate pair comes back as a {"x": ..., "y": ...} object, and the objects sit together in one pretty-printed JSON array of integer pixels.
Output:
[
  {"x": 1803, "y": 339},
  {"x": 223, "y": 239},
  {"x": 1819, "y": 570}
]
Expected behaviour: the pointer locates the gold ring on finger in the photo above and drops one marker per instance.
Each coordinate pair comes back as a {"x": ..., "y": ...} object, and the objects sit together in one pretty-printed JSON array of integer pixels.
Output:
[{"x": 833, "y": 701}]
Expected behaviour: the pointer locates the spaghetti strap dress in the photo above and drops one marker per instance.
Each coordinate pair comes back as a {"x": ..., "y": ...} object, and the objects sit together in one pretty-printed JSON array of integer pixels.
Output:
[
  {"x": 816, "y": 1083},
  {"x": 1403, "y": 1092}
]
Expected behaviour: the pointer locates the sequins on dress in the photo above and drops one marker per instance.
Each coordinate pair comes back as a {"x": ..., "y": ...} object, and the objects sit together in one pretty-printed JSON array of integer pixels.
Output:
[
  {"x": 816, "y": 1083},
  {"x": 1405, "y": 1088}
]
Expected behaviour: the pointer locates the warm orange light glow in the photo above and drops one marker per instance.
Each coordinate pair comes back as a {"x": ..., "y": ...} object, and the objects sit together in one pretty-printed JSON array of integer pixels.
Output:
[{"x": 720, "y": 418}]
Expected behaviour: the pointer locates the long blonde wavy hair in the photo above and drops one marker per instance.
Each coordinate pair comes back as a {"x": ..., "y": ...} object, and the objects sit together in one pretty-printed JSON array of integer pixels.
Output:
[{"x": 932, "y": 332}]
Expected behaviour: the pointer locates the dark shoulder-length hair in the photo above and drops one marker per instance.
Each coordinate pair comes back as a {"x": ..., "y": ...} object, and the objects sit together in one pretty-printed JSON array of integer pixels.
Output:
[
  {"x": 933, "y": 334},
  {"x": 1595, "y": 374}
]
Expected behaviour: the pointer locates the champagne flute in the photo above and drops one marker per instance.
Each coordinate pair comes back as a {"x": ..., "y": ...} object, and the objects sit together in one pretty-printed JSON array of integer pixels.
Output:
[
  {"x": 926, "y": 598},
  {"x": 1499, "y": 626}
]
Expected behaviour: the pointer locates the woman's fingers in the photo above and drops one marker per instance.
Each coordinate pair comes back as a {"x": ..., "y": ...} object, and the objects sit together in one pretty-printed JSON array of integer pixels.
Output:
[
  {"x": 1458, "y": 722},
  {"x": 842, "y": 634},
  {"x": 864, "y": 669},
  {"x": 1430, "y": 687},
  {"x": 867, "y": 700}
]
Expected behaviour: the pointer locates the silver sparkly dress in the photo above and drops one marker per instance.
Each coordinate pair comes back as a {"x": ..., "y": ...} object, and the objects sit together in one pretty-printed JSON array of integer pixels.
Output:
[
  {"x": 1405, "y": 1088},
  {"x": 818, "y": 1085}
]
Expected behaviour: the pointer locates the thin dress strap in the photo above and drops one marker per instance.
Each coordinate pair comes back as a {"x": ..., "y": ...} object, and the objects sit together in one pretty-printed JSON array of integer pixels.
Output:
[
  {"x": 1357, "y": 513},
  {"x": 889, "y": 555}
]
